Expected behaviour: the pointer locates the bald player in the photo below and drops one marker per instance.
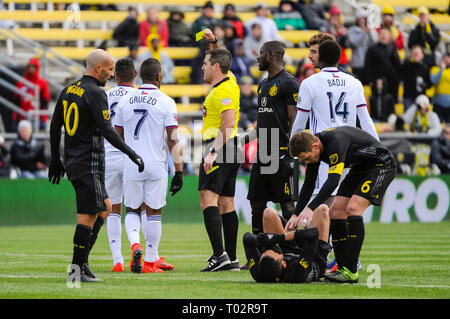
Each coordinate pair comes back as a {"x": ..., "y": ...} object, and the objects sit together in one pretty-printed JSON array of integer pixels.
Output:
[{"x": 82, "y": 108}]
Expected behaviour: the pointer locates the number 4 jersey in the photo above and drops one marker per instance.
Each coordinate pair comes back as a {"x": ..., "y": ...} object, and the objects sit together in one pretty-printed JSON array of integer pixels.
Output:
[{"x": 145, "y": 114}]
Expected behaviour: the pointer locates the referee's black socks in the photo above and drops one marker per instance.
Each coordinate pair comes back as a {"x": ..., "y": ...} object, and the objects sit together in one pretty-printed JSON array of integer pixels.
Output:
[
  {"x": 81, "y": 244},
  {"x": 355, "y": 239},
  {"x": 213, "y": 225},
  {"x": 230, "y": 223}
]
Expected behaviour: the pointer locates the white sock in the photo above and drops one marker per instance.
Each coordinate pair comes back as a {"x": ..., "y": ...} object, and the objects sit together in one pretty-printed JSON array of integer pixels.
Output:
[
  {"x": 153, "y": 230},
  {"x": 114, "y": 229},
  {"x": 144, "y": 223},
  {"x": 133, "y": 227}
]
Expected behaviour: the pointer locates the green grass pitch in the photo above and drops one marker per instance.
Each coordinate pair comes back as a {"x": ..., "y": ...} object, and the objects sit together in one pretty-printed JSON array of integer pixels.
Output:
[{"x": 412, "y": 259}]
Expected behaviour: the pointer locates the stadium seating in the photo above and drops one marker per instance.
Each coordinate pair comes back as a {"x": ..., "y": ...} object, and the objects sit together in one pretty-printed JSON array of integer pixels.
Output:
[{"x": 437, "y": 4}]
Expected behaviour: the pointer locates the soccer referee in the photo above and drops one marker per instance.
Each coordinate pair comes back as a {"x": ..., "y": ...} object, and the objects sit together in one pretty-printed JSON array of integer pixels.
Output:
[
  {"x": 82, "y": 108},
  {"x": 217, "y": 174}
]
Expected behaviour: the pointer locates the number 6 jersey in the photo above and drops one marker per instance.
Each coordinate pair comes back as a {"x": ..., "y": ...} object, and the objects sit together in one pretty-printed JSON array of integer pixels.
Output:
[{"x": 145, "y": 114}]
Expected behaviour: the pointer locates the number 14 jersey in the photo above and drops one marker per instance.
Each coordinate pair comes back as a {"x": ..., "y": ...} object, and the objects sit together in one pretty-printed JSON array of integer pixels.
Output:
[
  {"x": 332, "y": 98},
  {"x": 145, "y": 114}
]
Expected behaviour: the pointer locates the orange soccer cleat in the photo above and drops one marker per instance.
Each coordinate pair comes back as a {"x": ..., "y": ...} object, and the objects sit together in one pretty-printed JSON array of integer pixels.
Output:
[
  {"x": 162, "y": 264},
  {"x": 151, "y": 267},
  {"x": 136, "y": 258},
  {"x": 118, "y": 268}
]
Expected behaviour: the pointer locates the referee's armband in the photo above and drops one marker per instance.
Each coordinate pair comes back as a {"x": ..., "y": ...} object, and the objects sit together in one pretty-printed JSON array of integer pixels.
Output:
[{"x": 336, "y": 169}]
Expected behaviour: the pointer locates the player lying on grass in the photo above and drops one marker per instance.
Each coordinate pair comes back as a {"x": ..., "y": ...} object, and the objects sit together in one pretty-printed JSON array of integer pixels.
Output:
[{"x": 294, "y": 257}]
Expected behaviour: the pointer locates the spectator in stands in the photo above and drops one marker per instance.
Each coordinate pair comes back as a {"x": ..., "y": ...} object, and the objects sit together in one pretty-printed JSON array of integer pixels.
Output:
[
  {"x": 253, "y": 43},
  {"x": 287, "y": 18},
  {"x": 421, "y": 118},
  {"x": 382, "y": 60},
  {"x": 206, "y": 20},
  {"x": 360, "y": 38},
  {"x": 180, "y": 34},
  {"x": 4, "y": 166},
  {"x": 440, "y": 78},
  {"x": 127, "y": 32},
  {"x": 155, "y": 51},
  {"x": 313, "y": 14},
  {"x": 153, "y": 25},
  {"x": 32, "y": 75},
  {"x": 304, "y": 71},
  {"x": 415, "y": 76},
  {"x": 229, "y": 14},
  {"x": 268, "y": 27},
  {"x": 26, "y": 154},
  {"x": 382, "y": 104},
  {"x": 440, "y": 150},
  {"x": 387, "y": 21},
  {"x": 229, "y": 34},
  {"x": 337, "y": 28},
  {"x": 240, "y": 65},
  {"x": 248, "y": 113},
  {"x": 427, "y": 35}
]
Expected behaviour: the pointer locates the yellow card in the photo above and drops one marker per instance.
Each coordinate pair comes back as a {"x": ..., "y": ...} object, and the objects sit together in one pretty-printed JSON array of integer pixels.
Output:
[{"x": 199, "y": 35}]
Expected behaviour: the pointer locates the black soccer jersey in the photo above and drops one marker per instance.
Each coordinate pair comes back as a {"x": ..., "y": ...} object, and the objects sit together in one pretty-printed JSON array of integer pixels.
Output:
[
  {"x": 274, "y": 96},
  {"x": 344, "y": 146},
  {"x": 82, "y": 108}
]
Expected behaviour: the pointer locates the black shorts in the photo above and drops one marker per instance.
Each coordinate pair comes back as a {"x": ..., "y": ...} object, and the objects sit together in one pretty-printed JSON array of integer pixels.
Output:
[
  {"x": 277, "y": 187},
  {"x": 370, "y": 183},
  {"x": 90, "y": 193}
]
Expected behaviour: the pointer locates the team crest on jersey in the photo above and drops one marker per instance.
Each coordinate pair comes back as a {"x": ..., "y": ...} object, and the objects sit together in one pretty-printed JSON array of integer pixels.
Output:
[
  {"x": 295, "y": 97},
  {"x": 106, "y": 115},
  {"x": 333, "y": 158},
  {"x": 273, "y": 90}
]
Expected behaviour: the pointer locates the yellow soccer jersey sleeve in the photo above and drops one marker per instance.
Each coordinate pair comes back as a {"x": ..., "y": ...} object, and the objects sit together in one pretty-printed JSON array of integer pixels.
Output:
[{"x": 223, "y": 96}]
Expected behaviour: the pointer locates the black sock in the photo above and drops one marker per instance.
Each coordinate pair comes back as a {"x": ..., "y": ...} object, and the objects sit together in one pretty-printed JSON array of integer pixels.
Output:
[
  {"x": 213, "y": 224},
  {"x": 338, "y": 230},
  {"x": 94, "y": 233},
  {"x": 81, "y": 244},
  {"x": 230, "y": 223},
  {"x": 257, "y": 223},
  {"x": 355, "y": 241}
]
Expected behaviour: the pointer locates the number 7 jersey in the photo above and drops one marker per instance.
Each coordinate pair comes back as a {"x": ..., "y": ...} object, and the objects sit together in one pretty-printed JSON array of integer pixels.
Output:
[
  {"x": 145, "y": 114},
  {"x": 332, "y": 98}
]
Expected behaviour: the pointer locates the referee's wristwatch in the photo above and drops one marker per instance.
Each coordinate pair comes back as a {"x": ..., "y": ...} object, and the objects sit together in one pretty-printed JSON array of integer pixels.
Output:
[{"x": 213, "y": 150}]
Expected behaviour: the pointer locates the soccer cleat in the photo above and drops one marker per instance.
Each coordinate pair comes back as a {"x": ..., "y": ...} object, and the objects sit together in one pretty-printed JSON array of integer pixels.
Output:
[
  {"x": 86, "y": 278},
  {"x": 333, "y": 269},
  {"x": 87, "y": 271},
  {"x": 162, "y": 264},
  {"x": 233, "y": 266},
  {"x": 118, "y": 267},
  {"x": 331, "y": 264},
  {"x": 151, "y": 267},
  {"x": 245, "y": 266},
  {"x": 342, "y": 276},
  {"x": 217, "y": 263},
  {"x": 136, "y": 258}
]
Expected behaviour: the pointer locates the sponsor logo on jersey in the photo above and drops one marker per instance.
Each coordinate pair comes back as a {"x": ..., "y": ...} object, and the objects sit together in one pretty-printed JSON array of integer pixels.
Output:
[
  {"x": 226, "y": 101},
  {"x": 265, "y": 110}
]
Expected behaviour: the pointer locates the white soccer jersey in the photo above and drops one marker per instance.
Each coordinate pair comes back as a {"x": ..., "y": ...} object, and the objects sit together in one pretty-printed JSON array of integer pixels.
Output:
[
  {"x": 112, "y": 154},
  {"x": 331, "y": 98},
  {"x": 144, "y": 115}
]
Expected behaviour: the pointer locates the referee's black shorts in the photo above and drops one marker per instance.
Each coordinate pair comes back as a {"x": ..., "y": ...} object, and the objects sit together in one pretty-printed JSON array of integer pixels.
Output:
[
  {"x": 222, "y": 178},
  {"x": 369, "y": 182},
  {"x": 276, "y": 187},
  {"x": 90, "y": 193}
]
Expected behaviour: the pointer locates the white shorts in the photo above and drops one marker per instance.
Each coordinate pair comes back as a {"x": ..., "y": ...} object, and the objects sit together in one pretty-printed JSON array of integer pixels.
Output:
[
  {"x": 114, "y": 182},
  {"x": 152, "y": 192}
]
